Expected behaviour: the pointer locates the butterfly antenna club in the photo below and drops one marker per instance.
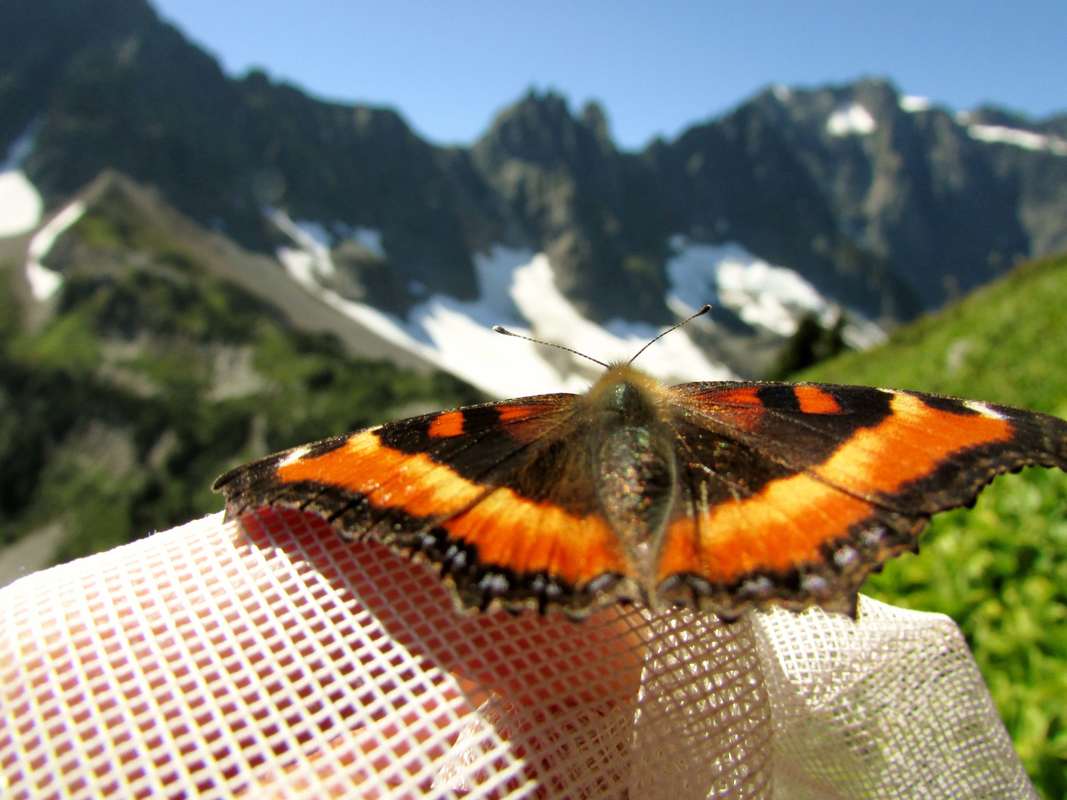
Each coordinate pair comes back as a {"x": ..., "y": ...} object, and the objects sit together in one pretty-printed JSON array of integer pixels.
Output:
[
  {"x": 704, "y": 309},
  {"x": 506, "y": 332}
]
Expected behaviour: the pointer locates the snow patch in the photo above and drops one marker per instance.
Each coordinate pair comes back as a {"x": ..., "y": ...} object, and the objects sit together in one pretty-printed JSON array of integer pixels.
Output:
[
  {"x": 766, "y": 295},
  {"x": 851, "y": 119},
  {"x": 21, "y": 206},
  {"x": 1017, "y": 137},
  {"x": 310, "y": 260},
  {"x": 673, "y": 357},
  {"x": 45, "y": 282},
  {"x": 311, "y": 256},
  {"x": 913, "y": 103},
  {"x": 762, "y": 294}
]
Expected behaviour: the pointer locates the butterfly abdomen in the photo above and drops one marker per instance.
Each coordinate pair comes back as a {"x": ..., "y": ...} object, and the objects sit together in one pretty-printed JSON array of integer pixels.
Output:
[{"x": 634, "y": 463}]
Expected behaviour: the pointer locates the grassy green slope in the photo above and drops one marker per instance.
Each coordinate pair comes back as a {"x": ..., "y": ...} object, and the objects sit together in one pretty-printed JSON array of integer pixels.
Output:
[
  {"x": 152, "y": 378},
  {"x": 1000, "y": 570}
]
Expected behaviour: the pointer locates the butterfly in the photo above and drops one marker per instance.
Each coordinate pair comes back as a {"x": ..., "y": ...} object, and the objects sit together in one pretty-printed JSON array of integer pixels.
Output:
[{"x": 720, "y": 496}]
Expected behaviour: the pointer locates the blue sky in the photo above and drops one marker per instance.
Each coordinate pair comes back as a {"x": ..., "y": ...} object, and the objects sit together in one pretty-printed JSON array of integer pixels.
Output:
[{"x": 448, "y": 67}]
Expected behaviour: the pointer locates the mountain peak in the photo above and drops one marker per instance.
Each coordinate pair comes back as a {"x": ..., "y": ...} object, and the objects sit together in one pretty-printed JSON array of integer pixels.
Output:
[{"x": 540, "y": 128}]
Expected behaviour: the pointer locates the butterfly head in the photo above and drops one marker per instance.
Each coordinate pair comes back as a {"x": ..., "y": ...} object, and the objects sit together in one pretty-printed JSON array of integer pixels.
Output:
[{"x": 626, "y": 394}]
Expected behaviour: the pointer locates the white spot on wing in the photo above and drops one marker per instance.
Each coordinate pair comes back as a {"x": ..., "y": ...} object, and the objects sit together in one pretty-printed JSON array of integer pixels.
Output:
[
  {"x": 983, "y": 409},
  {"x": 293, "y": 456}
]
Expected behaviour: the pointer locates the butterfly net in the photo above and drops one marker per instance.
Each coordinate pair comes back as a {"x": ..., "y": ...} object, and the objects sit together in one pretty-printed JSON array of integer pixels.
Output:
[{"x": 274, "y": 660}]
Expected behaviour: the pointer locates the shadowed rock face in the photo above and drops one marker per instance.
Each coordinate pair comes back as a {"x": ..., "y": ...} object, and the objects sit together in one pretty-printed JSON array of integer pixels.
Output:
[{"x": 885, "y": 205}]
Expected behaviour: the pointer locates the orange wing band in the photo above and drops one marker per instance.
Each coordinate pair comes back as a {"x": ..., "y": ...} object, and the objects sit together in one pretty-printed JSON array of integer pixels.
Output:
[
  {"x": 508, "y": 530},
  {"x": 785, "y": 524}
]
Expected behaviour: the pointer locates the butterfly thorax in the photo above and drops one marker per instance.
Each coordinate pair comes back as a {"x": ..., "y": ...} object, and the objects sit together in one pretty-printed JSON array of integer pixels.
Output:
[
  {"x": 629, "y": 392},
  {"x": 632, "y": 456}
]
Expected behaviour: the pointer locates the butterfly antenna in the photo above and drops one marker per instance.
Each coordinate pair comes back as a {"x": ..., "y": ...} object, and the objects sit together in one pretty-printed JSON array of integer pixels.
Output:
[
  {"x": 704, "y": 309},
  {"x": 506, "y": 332}
]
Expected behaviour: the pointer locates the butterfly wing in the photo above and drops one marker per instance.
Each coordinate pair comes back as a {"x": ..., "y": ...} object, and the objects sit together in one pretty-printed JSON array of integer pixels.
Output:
[
  {"x": 497, "y": 495},
  {"x": 792, "y": 494}
]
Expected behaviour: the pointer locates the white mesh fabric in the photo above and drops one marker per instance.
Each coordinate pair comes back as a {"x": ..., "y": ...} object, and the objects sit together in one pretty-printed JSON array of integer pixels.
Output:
[{"x": 282, "y": 662}]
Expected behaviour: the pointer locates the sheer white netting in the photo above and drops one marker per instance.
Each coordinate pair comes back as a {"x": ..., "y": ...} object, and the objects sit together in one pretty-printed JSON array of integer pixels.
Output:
[{"x": 278, "y": 661}]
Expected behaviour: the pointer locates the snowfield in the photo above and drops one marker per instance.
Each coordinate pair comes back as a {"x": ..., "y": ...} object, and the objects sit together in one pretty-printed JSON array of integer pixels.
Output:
[
  {"x": 518, "y": 290},
  {"x": 763, "y": 295}
]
